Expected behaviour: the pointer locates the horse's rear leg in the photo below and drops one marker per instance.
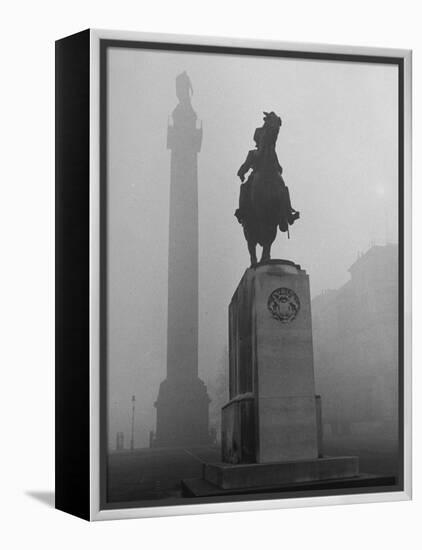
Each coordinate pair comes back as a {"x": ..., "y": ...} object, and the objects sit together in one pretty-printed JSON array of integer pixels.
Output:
[{"x": 268, "y": 233}]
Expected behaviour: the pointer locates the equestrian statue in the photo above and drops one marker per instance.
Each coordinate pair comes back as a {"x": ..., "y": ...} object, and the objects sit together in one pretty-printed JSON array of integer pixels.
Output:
[{"x": 264, "y": 202}]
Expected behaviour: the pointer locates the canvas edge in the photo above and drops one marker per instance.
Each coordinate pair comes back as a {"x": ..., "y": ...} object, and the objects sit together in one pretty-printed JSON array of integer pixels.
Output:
[
  {"x": 96, "y": 514},
  {"x": 407, "y": 302},
  {"x": 248, "y": 43}
]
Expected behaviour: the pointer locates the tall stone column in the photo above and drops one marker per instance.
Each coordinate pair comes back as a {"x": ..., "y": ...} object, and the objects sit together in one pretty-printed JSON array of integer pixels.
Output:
[{"x": 182, "y": 403}]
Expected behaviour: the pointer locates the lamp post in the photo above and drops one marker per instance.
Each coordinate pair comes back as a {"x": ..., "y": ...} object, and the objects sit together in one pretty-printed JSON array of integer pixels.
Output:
[{"x": 132, "y": 438}]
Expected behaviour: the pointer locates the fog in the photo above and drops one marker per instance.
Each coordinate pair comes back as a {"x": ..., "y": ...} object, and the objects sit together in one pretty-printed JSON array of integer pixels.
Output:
[{"x": 338, "y": 149}]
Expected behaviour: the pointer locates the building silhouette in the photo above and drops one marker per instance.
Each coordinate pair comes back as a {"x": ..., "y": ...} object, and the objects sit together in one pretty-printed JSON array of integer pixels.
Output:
[
  {"x": 182, "y": 402},
  {"x": 355, "y": 332}
]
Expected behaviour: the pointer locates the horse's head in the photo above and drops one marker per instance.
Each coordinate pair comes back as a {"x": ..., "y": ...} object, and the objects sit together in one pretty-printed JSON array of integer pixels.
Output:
[{"x": 272, "y": 124}]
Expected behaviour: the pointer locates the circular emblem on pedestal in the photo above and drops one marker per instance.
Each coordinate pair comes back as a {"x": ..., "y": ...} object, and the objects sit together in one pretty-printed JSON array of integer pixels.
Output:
[{"x": 284, "y": 304}]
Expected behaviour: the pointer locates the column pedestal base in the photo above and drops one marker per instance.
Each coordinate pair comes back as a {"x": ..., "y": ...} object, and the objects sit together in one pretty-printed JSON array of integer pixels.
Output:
[
  {"x": 199, "y": 487},
  {"x": 229, "y": 476}
]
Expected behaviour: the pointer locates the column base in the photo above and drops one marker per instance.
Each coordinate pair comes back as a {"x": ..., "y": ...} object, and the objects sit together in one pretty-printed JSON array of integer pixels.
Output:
[{"x": 182, "y": 414}]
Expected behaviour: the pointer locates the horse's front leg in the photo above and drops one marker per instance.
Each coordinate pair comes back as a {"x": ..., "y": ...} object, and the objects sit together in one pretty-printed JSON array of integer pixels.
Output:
[{"x": 266, "y": 253}]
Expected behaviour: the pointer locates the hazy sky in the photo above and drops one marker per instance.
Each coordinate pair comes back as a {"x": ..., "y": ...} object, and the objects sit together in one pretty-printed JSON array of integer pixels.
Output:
[{"x": 338, "y": 149}]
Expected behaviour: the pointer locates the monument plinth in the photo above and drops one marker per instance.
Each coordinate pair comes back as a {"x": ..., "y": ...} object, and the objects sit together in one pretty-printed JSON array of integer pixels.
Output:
[
  {"x": 271, "y": 426},
  {"x": 272, "y": 412}
]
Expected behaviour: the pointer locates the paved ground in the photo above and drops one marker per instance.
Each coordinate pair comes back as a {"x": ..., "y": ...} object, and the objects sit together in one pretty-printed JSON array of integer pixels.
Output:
[
  {"x": 150, "y": 474},
  {"x": 154, "y": 473},
  {"x": 376, "y": 456}
]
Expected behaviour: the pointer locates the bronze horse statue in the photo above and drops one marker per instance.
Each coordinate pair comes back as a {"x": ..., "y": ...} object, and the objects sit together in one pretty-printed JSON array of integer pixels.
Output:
[{"x": 264, "y": 203}]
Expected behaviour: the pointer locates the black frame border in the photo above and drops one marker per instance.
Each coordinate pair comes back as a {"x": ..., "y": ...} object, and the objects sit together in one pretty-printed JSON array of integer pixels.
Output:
[{"x": 72, "y": 274}]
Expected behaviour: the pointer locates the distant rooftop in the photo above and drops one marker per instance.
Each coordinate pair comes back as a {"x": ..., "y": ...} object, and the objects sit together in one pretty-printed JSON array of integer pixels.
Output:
[{"x": 377, "y": 252}]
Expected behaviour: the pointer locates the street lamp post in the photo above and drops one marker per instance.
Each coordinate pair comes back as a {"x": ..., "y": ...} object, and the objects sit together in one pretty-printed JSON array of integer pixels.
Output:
[{"x": 132, "y": 439}]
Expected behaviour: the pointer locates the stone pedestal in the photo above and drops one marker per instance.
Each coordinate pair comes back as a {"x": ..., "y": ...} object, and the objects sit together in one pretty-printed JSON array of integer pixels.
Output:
[
  {"x": 272, "y": 412},
  {"x": 271, "y": 426},
  {"x": 228, "y": 476}
]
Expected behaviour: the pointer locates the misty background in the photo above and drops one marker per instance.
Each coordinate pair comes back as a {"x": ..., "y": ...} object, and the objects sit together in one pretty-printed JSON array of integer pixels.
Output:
[{"x": 338, "y": 148}]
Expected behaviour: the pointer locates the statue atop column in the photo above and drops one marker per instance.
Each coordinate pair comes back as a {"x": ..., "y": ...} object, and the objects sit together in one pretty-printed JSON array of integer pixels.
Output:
[
  {"x": 264, "y": 203},
  {"x": 183, "y": 135}
]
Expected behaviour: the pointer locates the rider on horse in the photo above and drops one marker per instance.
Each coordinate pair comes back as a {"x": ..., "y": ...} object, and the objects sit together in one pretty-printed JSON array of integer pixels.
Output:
[{"x": 254, "y": 161}]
